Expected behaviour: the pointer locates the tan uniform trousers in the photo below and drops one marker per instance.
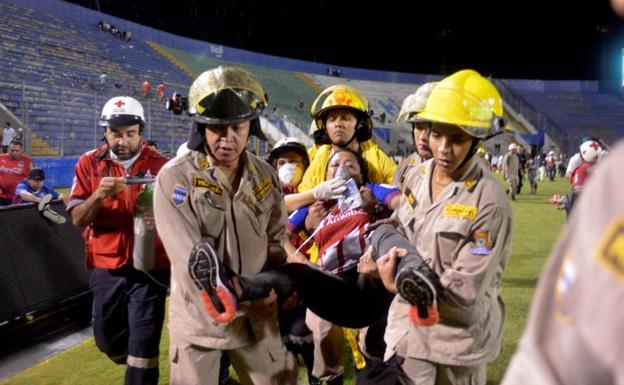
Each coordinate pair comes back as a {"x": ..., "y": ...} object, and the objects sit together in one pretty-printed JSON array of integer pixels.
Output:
[
  {"x": 422, "y": 372},
  {"x": 257, "y": 364},
  {"x": 512, "y": 183},
  {"x": 328, "y": 347}
]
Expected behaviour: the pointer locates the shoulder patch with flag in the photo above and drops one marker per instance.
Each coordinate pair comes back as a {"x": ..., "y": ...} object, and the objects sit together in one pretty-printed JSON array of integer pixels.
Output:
[{"x": 179, "y": 195}]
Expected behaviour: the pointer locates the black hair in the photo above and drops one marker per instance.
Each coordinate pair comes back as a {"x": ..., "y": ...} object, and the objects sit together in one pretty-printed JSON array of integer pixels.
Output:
[
  {"x": 360, "y": 159},
  {"x": 152, "y": 143},
  {"x": 16, "y": 142}
]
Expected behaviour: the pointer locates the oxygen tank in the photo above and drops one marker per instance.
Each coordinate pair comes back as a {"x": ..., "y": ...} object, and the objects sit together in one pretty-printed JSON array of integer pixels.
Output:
[{"x": 144, "y": 251}]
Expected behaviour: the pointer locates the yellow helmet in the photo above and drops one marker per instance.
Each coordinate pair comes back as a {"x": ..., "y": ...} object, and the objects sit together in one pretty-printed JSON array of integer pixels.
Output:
[
  {"x": 468, "y": 100},
  {"x": 415, "y": 103},
  {"x": 226, "y": 95},
  {"x": 341, "y": 96}
]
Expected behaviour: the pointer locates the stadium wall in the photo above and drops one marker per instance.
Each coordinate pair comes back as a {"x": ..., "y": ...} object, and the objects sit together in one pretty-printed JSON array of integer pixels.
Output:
[{"x": 59, "y": 172}]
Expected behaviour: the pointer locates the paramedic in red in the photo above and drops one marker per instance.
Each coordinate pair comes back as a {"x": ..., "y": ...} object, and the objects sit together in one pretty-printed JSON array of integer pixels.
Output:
[
  {"x": 14, "y": 168},
  {"x": 128, "y": 304}
]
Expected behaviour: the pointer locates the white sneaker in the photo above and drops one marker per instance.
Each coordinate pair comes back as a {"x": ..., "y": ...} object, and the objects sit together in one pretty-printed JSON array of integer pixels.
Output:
[{"x": 46, "y": 211}]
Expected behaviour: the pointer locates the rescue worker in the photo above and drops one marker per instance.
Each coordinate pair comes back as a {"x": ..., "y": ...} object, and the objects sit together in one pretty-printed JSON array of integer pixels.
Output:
[
  {"x": 128, "y": 304},
  {"x": 290, "y": 159},
  {"x": 457, "y": 216},
  {"x": 342, "y": 118},
  {"x": 412, "y": 105},
  {"x": 573, "y": 334},
  {"x": 222, "y": 194},
  {"x": 511, "y": 164}
]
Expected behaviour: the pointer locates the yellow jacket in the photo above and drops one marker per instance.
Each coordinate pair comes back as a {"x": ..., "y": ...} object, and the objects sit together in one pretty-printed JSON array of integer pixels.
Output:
[{"x": 380, "y": 167}]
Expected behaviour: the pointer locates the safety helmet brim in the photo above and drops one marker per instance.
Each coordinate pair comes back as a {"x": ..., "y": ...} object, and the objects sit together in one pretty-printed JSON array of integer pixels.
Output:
[
  {"x": 228, "y": 106},
  {"x": 116, "y": 121},
  {"x": 297, "y": 149},
  {"x": 469, "y": 101},
  {"x": 226, "y": 95},
  {"x": 340, "y": 96}
]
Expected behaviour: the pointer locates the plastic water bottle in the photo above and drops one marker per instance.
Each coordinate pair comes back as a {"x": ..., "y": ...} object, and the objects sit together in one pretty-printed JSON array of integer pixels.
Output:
[{"x": 144, "y": 251}]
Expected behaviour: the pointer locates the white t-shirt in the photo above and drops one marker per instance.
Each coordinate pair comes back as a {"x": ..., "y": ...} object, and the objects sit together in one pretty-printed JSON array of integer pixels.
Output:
[
  {"x": 8, "y": 133},
  {"x": 574, "y": 162}
]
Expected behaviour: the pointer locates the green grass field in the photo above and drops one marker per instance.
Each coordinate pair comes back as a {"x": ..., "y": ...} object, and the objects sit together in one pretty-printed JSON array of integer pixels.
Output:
[{"x": 536, "y": 228}]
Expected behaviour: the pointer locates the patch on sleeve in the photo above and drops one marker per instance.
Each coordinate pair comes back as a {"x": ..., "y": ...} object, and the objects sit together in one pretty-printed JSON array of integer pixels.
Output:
[
  {"x": 567, "y": 276},
  {"x": 260, "y": 191},
  {"x": 456, "y": 210},
  {"x": 201, "y": 182},
  {"x": 481, "y": 243},
  {"x": 179, "y": 195},
  {"x": 610, "y": 251}
]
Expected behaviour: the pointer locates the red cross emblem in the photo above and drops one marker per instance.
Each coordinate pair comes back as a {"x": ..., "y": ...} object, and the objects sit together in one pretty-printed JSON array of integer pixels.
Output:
[
  {"x": 119, "y": 103},
  {"x": 595, "y": 146}
]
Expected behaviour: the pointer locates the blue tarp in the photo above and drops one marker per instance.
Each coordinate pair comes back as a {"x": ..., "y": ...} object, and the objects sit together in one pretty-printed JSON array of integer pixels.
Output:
[
  {"x": 383, "y": 133},
  {"x": 535, "y": 140},
  {"x": 59, "y": 172}
]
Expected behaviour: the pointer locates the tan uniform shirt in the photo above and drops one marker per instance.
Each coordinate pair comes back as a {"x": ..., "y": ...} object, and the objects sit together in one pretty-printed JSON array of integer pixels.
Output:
[
  {"x": 511, "y": 164},
  {"x": 193, "y": 201},
  {"x": 466, "y": 237},
  {"x": 574, "y": 333},
  {"x": 403, "y": 168}
]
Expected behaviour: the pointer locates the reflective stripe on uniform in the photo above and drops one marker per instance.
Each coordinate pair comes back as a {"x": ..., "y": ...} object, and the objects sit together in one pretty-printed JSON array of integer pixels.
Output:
[{"x": 142, "y": 363}]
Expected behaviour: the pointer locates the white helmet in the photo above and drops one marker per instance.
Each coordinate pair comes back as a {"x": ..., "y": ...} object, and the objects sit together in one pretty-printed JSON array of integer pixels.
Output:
[
  {"x": 415, "y": 103},
  {"x": 590, "y": 151},
  {"x": 122, "y": 111},
  {"x": 289, "y": 143}
]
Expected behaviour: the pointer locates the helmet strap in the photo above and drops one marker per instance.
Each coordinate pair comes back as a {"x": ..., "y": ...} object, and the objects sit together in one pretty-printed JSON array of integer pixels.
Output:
[{"x": 473, "y": 150}]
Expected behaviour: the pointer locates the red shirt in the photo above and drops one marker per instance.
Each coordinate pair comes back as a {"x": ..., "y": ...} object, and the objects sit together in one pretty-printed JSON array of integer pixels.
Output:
[
  {"x": 12, "y": 172},
  {"x": 580, "y": 174},
  {"x": 342, "y": 239},
  {"x": 110, "y": 238}
]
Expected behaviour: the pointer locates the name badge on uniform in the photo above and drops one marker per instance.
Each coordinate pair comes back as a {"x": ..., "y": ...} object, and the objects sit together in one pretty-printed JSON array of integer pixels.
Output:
[
  {"x": 481, "y": 243},
  {"x": 213, "y": 188},
  {"x": 262, "y": 190},
  {"x": 456, "y": 210},
  {"x": 179, "y": 195}
]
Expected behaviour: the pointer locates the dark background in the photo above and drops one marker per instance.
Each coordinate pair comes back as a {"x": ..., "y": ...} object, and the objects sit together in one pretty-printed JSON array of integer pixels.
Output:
[{"x": 547, "y": 39}]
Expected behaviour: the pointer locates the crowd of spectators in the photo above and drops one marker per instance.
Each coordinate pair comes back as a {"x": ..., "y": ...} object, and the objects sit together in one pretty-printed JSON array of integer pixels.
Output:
[{"x": 118, "y": 33}]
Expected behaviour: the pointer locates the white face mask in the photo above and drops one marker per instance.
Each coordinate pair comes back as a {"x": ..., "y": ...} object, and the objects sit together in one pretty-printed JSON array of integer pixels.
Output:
[{"x": 290, "y": 174}]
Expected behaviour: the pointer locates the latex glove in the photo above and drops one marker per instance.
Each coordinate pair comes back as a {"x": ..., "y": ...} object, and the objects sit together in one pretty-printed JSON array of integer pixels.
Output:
[{"x": 330, "y": 189}]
